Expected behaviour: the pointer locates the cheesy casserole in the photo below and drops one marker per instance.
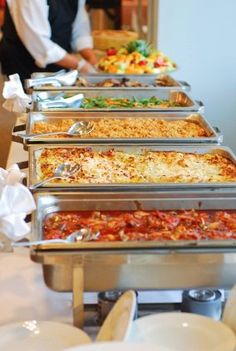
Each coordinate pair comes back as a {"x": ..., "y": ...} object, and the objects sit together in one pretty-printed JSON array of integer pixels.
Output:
[
  {"x": 128, "y": 128},
  {"x": 117, "y": 166}
]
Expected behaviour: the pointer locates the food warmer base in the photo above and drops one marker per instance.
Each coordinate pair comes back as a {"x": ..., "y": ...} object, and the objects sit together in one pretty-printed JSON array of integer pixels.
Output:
[{"x": 141, "y": 266}]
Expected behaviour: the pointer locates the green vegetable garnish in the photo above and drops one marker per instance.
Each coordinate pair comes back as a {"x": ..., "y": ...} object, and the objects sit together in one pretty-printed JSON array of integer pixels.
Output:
[
  {"x": 113, "y": 103},
  {"x": 140, "y": 46}
]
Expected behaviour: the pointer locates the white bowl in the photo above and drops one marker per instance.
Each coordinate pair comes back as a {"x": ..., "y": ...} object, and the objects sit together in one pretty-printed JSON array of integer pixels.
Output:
[
  {"x": 183, "y": 332},
  {"x": 40, "y": 336}
]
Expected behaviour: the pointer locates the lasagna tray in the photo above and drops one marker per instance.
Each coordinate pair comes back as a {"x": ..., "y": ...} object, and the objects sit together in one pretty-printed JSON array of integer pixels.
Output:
[{"x": 132, "y": 165}]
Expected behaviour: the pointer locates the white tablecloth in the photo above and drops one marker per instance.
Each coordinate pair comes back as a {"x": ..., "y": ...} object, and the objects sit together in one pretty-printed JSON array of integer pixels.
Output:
[{"x": 24, "y": 296}]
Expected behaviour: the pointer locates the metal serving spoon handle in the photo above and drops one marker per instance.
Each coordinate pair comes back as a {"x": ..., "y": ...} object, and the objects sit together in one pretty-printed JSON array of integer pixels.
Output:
[
  {"x": 26, "y": 136},
  {"x": 37, "y": 185},
  {"x": 83, "y": 234},
  {"x": 77, "y": 129},
  {"x": 64, "y": 170},
  {"x": 38, "y": 242}
]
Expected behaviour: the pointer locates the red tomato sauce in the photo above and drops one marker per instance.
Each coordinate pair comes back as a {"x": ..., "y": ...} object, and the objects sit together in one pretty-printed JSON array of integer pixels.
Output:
[{"x": 144, "y": 225}]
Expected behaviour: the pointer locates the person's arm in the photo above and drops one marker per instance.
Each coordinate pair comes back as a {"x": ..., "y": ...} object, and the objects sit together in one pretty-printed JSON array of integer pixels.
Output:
[
  {"x": 71, "y": 62},
  {"x": 2, "y": 12},
  {"x": 82, "y": 41},
  {"x": 31, "y": 21}
]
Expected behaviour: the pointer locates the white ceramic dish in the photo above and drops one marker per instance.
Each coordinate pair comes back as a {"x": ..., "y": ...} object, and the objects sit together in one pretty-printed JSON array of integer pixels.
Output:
[
  {"x": 40, "y": 336},
  {"x": 118, "y": 346},
  {"x": 183, "y": 332},
  {"x": 117, "y": 325}
]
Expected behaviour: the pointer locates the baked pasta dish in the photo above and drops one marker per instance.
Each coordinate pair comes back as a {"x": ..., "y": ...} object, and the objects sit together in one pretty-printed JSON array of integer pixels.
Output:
[
  {"x": 145, "y": 166},
  {"x": 128, "y": 128},
  {"x": 143, "y": 225}
]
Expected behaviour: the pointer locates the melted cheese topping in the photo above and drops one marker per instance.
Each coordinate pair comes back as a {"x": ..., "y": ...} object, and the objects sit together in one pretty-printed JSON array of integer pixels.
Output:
[{"x": 116, "y": 166}]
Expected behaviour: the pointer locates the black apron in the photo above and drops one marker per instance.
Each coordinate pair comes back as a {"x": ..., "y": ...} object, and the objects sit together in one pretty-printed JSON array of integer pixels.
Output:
[{"x": 15, "y": 58}]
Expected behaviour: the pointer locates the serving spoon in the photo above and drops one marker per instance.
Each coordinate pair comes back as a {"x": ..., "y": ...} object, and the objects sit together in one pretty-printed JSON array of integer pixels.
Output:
[
  {"x": 83, "y": 234},
  {"x": 64, "y": 170},
  {"x": 78, "y": 128}
]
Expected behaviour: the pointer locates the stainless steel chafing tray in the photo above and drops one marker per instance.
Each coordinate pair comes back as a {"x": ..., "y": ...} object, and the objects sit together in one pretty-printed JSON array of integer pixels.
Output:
[
  {"x": 213, "y": 134},
  {"x": 138, "y": 265},
  {"x": 148, "y": 80},
  {"x": 35, "y": 151},
  {"x": 189, "y": 104}
]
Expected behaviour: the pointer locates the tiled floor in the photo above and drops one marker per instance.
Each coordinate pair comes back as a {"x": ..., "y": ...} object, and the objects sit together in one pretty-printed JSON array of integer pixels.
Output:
[{"x": 7, "y": 121}]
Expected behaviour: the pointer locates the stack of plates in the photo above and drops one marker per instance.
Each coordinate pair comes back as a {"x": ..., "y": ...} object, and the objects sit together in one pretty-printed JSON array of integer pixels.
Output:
[
  {"x": 40, "y": 336},
  {"x": 183, "y": 332}
]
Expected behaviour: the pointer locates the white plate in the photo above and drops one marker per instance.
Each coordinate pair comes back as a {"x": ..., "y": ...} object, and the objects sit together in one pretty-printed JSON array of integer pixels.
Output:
[
  {"x": 40, "y": 336},
  {"x": 119, "y": 346},
  {"x": 183, "y": 332},
  {"x": 117, "y": 325}
]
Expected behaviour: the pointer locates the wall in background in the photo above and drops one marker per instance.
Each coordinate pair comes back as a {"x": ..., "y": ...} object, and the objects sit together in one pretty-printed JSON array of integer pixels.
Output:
[{"x": 200, "y": 35}]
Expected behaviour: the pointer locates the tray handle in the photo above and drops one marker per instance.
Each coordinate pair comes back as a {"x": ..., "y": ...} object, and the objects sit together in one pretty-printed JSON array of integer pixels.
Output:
[
  {"x": 219, "y": 134},
  {"x": 185, "y": 85},
  {"x": 15, "y": 136},
  {"x": 201, "y": 105}
]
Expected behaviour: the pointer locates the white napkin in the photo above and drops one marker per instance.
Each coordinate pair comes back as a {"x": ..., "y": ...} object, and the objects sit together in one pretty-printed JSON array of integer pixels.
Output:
[
  {"x": 229, "y": 314},
  {"x": 13, "y": 92},
  {"x": 16, "y": 201}
]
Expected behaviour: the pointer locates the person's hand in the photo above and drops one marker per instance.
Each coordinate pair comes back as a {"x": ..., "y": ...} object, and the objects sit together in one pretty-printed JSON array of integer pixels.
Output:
[
  {"x": 89, "y": 55},
  {"x": 85, "y": 67}
]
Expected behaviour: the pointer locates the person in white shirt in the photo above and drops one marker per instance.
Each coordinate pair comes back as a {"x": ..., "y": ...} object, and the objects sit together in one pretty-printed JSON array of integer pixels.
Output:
[{"x": 41, "y": 35}]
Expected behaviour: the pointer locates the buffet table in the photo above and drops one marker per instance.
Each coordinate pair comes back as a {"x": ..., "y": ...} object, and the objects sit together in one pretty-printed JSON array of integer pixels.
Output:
[
  {"x": 205, "y": 267},
  {"x": 23, "y": 278},
  {"x": 79, "y": 267}
]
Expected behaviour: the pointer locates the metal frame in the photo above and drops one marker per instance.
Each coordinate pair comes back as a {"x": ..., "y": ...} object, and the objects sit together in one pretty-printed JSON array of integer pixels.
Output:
[{"x": 113, "y": 266}]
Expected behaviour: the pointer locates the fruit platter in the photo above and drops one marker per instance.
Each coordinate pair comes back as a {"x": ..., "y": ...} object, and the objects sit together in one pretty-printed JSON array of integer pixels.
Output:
[{"x": 137, "y": 57}]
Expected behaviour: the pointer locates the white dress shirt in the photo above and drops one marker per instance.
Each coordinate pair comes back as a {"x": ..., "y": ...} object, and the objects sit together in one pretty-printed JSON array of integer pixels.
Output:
[{"x": 31, "y": 21}]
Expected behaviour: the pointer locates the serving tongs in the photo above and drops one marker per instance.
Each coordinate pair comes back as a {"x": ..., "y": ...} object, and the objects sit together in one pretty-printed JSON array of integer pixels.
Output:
[
  {"x": 59, "y": 102},
  {"x": 56, "y": 80}
]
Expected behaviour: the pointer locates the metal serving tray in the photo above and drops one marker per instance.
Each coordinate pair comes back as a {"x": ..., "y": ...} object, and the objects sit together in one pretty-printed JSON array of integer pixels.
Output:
[
  {"x": 148, "y": 80},
  {"x": 35, "y": 150},
  {"x": 214, "y": 135},
  {"x": 172, "y": 95},
  {"x": 137, "y": 265},
  {"x": 48, "y": 203}
]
